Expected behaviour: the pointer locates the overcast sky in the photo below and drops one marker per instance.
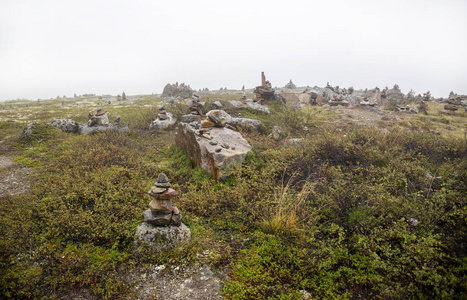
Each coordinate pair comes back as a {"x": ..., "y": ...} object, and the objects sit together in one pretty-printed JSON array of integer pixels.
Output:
[{"x": 62, "y": 47}]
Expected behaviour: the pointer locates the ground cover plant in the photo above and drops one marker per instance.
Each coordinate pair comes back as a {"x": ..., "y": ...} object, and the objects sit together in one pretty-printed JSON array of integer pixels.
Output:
[{"x": 348, "y": 212}]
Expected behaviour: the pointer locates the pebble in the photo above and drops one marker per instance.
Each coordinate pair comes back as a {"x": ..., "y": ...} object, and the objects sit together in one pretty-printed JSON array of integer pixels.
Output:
[{"x": 218, "y": 149}]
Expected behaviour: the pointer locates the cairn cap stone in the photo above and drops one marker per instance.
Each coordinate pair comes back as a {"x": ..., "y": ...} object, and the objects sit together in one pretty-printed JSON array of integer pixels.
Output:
[
  {"x": 162, "y": 107},
  {"x": 100, "y": 112},
  {"x": 162, "y": 181}
]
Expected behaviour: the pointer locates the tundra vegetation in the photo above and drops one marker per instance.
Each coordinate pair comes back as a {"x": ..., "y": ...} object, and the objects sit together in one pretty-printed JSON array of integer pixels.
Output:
[{"x": 369, "y": 211}]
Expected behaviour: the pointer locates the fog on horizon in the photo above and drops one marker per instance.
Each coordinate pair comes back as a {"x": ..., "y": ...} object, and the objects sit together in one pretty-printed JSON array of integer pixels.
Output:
[{"x": 54, "y": 48}]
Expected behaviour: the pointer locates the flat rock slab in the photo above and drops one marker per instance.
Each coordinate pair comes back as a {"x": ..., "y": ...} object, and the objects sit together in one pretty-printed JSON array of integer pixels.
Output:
[
  {"x": 161, "y": 237},
  {"x": 85, "y": 129},
  {"x": 213, "y": 152}
]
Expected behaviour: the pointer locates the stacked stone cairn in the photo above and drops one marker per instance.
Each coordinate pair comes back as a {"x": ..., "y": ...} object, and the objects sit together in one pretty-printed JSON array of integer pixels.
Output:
[
  {"x": 162, "y": 113},
  {"x": 164, "y": 119},
  {"x": 265, "y": 91},
  {"x": 195, "y": 105},
  {"x": 161, "y": 212},
  {"x": 99, "y": 118}
]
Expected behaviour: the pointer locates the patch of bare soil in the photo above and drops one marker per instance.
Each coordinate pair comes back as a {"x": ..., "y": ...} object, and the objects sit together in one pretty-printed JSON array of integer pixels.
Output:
[
  {"x": 13, "y": 177},
  {"x": 182, "y": 283}
]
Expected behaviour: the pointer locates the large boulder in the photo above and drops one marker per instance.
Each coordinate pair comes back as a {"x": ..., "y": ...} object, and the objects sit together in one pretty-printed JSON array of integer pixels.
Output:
[
  {"x": 163, "y": 124},
  {"x": 85, "y": 129},
  {"x": 176, "y": 90},
  {"x": 161, "y": 238},
  {"x": 66, "y": 125},
  {"x": 212, "y": 149}
]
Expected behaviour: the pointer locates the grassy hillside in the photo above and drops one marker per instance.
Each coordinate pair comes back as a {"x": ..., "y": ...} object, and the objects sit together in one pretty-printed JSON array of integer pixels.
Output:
[{"x": 352, "y": 211}]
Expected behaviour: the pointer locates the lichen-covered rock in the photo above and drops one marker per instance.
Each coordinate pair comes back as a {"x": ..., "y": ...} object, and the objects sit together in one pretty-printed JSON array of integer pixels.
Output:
[
  {"x": 65, "y": 125},
  {"x": 256, "y": 106},
  {"x": 248, "y": 124},
  {"x": 85, "y": 129},
  {"x": 163, "y": 124},
  {"x": 161, "y": 237},
  {"x": 235, "y": 104},
  {"x": 201, "y": 145},
  {"x": 27, "y": 132},
  {"x": 190, "y": 118}
]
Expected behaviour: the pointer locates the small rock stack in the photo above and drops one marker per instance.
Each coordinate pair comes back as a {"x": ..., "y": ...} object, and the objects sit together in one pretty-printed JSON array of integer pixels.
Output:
[
  {"x": 195, "y": 105},
  {"x": 161, "y": 212},
  {"x": 162, "y": 113},
  {"x": 99, "y": 118}
]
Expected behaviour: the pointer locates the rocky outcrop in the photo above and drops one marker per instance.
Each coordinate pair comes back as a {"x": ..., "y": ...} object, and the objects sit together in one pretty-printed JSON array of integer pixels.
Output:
[
  {"x": 85, "y": 129},
  {"x": 176, "y": 90},
  {"x": 66, "y": 125},
  {"x": 212, "y": 149}
]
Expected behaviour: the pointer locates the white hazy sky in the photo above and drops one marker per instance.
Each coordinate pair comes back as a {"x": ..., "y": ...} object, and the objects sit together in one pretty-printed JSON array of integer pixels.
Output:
[{"x": 62, "y": 47}]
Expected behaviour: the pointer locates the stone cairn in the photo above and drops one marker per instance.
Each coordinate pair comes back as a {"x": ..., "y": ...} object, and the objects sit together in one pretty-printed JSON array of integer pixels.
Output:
[
  {"x": 265, "y": 91},
  {"x": 99, "y": 118},
  {"x": 161, "y": 212},
  {"x": 195, "y": 105},
  {"x": 162, "y": 113}
]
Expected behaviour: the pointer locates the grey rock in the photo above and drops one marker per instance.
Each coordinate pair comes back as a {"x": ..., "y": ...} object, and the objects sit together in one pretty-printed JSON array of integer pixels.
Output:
[
  {"x": 248, "y": 124},
  {"x": 258, "y": 107},
  {"x": 85, "y": 129},
  {"x": 234, "y": 104},
  {"x": 65, "y": 125},
  {"x": 219, "y": 117},
  {"x": 414, "y": 110},
  {"x": 329, "y": 94},
  {"x": 217, "y": 104},
  {"x": 157, "y": 219},
  {"x": 190, "y": 118},
  {"x": 161, "y": 238}
]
